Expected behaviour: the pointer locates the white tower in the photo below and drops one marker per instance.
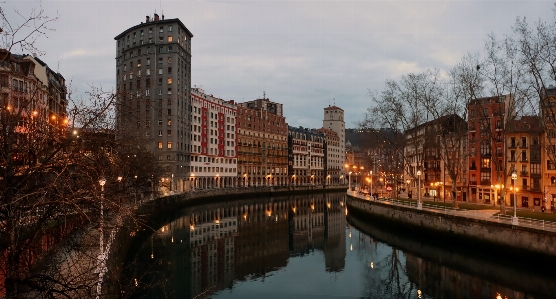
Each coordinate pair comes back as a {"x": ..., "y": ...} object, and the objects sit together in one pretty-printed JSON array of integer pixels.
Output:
[{"x": 334, "y": 120}]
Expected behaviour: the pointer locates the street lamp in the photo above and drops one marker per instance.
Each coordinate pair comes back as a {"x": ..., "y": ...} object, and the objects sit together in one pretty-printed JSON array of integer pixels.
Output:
[
  {"x": 349, "y": 181},
  {"x": 101, "y": 268},
  {"x": 371, "y": 173},
  {"x": 514, "y": 178},
  {"x": 419, "y": 205}
]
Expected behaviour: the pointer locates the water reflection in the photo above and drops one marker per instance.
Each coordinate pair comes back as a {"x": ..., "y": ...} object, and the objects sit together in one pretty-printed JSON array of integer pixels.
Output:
[
  {"x": 302, "y": 247},
  {"x": 210, "y": 247}
]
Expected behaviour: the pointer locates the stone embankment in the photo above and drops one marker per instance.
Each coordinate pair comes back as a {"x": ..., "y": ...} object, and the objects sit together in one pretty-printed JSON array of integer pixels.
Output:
[{"x": 482, "y": 234}]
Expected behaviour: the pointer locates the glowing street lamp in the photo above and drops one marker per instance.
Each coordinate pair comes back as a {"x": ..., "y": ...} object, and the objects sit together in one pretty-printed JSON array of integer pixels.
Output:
[
  {"x": 419, "y": 204},
  {"x": 514, "y": 179}
]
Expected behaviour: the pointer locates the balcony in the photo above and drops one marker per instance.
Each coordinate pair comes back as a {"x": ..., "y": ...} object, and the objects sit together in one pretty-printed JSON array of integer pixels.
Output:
[
  {"x": 523, "y": 146},
  {"x": 473, "y": 182},
  {"x": 472, "y": 167},
  {"x": 524, "y": 187},
  {"x": 512, "y": 145},
  {"x": 524, "y": 160},
  {"x": 524, "y": 173},
  {"x": 485, "y": 182}
]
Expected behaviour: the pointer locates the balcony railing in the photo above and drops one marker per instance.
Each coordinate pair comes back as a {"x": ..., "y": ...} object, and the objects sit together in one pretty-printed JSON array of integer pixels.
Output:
[
  {"x": 472, "y": 167},
  {"x": 485, "y": 182},
  {"x": 524, "y": 187},
  {"x": 524, "y": 173},
  {"x": 512, "y": 146},
  {"x": 524, "y": 160}
]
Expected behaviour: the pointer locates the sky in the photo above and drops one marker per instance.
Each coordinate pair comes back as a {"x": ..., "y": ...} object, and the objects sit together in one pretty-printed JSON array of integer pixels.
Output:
[{"x": 306, "y": 55}]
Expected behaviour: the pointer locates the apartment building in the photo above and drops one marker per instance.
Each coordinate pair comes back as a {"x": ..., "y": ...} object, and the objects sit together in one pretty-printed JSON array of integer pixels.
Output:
[
  {"x": 153, "y": 82},
  {"x": 523, "y": 137},
  {"x": 548, "y": 145},
  {"x": 262, "y": 140},
  {"x": 33, "y": 101},
  {"x": 306, "y": 163},
  {"x": 213, "y": 141},
  {"x": 486, "y": 118},
  {"x": 427, "y": 167},
  {"x": 332, "y": 151}
]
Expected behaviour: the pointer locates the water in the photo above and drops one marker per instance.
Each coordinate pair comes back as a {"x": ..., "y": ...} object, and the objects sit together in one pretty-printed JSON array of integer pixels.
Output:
[{"x": 306, "y": 247}]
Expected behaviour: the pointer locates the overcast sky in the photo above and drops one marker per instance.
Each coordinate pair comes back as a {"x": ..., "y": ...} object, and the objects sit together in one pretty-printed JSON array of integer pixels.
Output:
[{"x": 304, "y": 54}]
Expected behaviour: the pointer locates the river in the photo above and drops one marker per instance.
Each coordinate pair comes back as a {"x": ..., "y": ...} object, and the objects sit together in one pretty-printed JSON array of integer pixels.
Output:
[{"x": 310, "y": 247}]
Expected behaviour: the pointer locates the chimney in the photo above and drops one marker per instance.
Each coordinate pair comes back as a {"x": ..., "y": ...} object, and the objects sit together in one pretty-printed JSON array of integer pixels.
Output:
[
  {"x": 148, "y": 19},
  {"x": 156, "y": 18},
  {"x": 162, "y": 17}
]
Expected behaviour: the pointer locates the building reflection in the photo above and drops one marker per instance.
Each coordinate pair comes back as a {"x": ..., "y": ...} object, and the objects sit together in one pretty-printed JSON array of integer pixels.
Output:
[{"x": 211, "y": 247}]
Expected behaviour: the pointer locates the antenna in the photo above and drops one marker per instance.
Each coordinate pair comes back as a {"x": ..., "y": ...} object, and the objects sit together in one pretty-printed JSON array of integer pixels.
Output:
[{"x": 264, "y": 94}]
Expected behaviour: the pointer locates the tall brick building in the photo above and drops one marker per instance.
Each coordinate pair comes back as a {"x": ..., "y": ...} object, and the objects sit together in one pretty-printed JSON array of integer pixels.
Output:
[{"x": 262, "y": 138}]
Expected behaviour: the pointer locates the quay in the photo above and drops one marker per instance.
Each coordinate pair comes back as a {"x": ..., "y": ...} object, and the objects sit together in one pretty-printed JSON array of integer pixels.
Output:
[{"x": 484, "y": 230}]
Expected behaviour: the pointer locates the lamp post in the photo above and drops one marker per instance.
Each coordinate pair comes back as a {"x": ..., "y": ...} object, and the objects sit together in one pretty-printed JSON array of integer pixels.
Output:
[
  {"x": 101, "y": 268},
  {"x": 371, "y": 173},
  {"x": 349, "y": 181},
  {"x": 361, "y": 173},
  {"x": 514, "y": 219},
  {"x": 408, "y": 181},
  {"x": 419, "y": 205}
]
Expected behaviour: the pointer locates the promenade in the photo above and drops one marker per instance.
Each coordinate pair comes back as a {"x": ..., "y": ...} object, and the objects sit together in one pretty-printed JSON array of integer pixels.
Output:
[{"x": 533, "y": 219}]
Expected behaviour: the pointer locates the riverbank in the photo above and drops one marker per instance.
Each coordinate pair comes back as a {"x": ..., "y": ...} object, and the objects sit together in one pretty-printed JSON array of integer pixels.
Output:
[
  {"x": 478, "y": 229},
  {"x": 435, "y": 256}
]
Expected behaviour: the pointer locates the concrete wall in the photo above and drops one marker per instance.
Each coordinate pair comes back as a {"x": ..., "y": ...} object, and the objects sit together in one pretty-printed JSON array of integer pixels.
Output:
[{"x": 500, "y": 236}]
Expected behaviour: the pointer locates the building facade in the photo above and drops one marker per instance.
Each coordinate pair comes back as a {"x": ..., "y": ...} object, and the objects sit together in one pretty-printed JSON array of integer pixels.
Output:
[
  {"x": 153, "y": 82},
  {"x": 333, "y": 163},
  {"x": 486, "y": 118},
  {"x": 262, "y": 144},
  {"x": 213, "y": 141},
  {"x": 34, "y": 103},
  {"x": 524, "y": 149},
  {"x": 306, "y": 165},
  {"x": 333, "y": 119}
]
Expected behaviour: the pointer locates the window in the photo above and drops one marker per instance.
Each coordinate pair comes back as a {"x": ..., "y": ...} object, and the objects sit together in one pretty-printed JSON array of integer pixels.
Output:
[
  {"x": 169, "y": 39},
  {"x": 170, "y": 28},
  {"x": 169, "y": 90},
  {"x": 169, "y": 70},
  {"x": 169, "y": 59},
  {"x": 169, "y": 80},
  {"x": 169, "y": 122},
  {"x": 159, "y": 144},
  {"x": 160, "y": 71},
  {"x": 160, "y": 122},
  {"x": 485, "y": 163},
  {"x": 159, "y": 132},
  {"x": 161, "y": 29},
  {"x": 169, "y": 144},
  {"x": 148, "y": 61}
]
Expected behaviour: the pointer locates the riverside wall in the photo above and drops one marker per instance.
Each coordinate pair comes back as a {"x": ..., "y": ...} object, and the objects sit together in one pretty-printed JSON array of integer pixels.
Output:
[{"x": 481, "y": 234}]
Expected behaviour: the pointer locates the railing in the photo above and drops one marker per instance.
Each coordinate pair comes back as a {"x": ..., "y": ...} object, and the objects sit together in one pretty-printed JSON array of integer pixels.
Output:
[
  {"x": 524, "y": 173},
  {"x": 475, "y": 214}
]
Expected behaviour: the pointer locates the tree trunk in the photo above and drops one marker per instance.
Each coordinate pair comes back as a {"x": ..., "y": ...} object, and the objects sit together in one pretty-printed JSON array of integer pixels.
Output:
[{"x": 454, "y": 194}]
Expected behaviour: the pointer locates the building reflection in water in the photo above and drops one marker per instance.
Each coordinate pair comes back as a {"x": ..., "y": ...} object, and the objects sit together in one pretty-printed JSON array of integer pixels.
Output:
[
  {"x": 212, "y": 246},
  {"x": 251, "y": 246}
]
